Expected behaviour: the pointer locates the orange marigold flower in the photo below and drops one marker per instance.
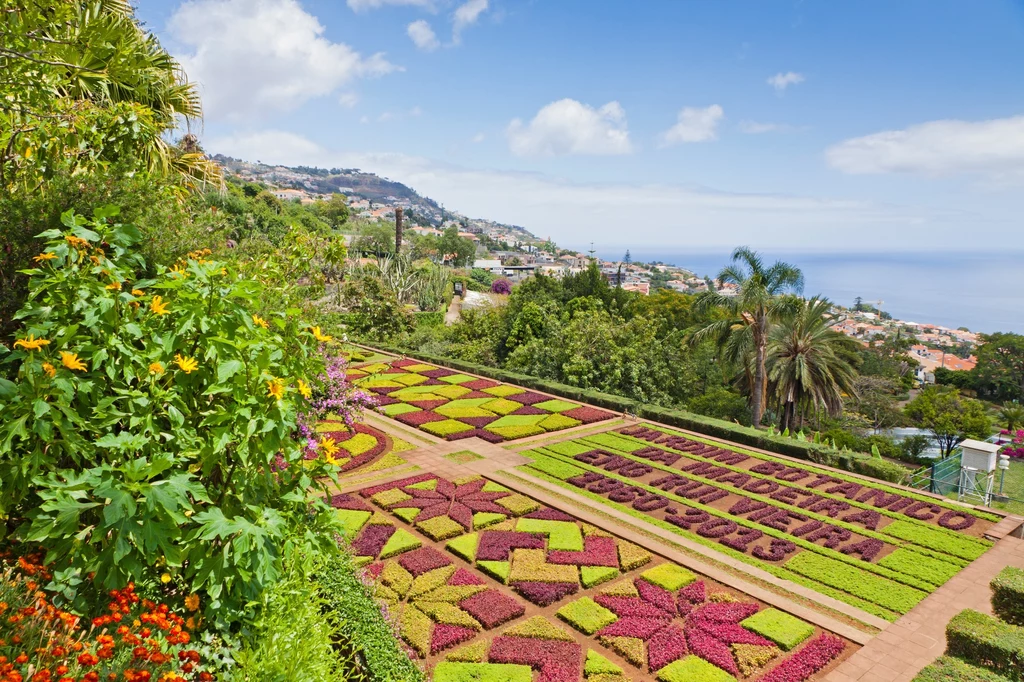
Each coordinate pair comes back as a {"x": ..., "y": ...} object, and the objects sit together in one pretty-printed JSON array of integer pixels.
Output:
[
  {"x": 31, "y": 343},
  {"x": 71, "y": 361},
  {"x": 192, "y": 602},
  {"x": 138, "y": 292},
  {"x": 87, "y": 659},
  {"x": 158, "y": 306}
]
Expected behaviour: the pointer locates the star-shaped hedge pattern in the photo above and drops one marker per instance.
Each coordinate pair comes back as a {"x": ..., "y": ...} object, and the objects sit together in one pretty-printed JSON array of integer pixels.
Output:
[{"x": 455, "y": 406}]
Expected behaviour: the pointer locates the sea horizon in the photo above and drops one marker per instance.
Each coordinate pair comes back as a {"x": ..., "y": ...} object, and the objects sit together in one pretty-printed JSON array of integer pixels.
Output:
[{"x": 980, "y": 290}]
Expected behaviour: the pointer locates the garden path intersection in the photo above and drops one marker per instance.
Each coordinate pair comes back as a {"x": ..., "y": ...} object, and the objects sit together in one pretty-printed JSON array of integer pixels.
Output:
[{"x": 514, "y": 535}]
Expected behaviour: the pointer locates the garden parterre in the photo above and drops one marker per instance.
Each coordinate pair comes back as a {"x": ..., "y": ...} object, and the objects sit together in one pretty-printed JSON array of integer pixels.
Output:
[
  {"x": 488, "y": 584},
  {"x": 453, "y": 406},
  {"x": 876, "y": 547},
  {"x": 359, "y": 449}
]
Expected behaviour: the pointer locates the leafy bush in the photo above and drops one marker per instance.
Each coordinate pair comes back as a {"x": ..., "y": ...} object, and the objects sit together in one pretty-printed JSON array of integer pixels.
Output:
[
  {"x": 950, "y": 669},
  {"x": 986, "y": 641},
  {"x": 1008, "y": 595},
  {"x": 148, "y": 429}
]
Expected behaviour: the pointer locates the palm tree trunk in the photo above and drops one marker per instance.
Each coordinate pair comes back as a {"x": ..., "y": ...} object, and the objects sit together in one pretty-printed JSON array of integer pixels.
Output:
[{"x": 757, "y": 395}]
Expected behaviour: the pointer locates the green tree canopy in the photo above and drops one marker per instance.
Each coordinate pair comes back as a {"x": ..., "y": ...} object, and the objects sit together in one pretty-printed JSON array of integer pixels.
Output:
[
  {"x": 999, "y": 373},
  {"x": 951, "y": 417}
]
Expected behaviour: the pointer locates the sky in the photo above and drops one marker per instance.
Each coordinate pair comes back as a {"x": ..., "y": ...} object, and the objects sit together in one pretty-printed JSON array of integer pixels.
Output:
[{"x": 797, "y": 125}]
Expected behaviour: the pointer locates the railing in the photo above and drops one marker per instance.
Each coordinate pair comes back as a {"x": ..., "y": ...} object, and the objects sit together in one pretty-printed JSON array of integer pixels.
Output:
[{"x": 941, "y": 477}]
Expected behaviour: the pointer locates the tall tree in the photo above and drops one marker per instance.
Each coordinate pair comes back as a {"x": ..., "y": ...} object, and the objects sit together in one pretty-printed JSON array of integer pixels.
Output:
[
  {"x": 1000, "y": 369},
  {"x": 86, "y": 87},
  {"x": 810, "y": 365},
  {"x": 759, "y": 303}
]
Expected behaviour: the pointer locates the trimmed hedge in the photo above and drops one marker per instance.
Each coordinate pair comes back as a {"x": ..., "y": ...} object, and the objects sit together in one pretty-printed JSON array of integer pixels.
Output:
[
  {"x": 859, "y": 463},
  {"x": 986, "y": 641},
  {"x": 950, "y": 669},
  {"x": 429, "y": 319},
  {"x": 1008, "y": 595}
]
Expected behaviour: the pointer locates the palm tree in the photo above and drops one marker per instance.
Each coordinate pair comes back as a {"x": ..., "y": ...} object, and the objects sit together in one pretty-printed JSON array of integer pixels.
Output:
[
  {"x": 759, "y": 303},
  {"x": 1013, "y": 414},
  {"x": 85, "y": 76},
  {"x": 810, "y": 365}
]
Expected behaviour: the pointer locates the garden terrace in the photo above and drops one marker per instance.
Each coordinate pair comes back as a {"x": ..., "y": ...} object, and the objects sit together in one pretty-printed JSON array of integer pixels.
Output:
[
  {"x": 873, "y": 546},
  {"x": 455, "y": 406},
  {"x": 487, "y": 583}
]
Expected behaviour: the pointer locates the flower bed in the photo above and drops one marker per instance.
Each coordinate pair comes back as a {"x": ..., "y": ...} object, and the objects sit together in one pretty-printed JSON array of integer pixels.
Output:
[
  {"x": 473, "y": 606},
  {"x": 451, "y": 405},
  {"x": 876, "y": 547}
]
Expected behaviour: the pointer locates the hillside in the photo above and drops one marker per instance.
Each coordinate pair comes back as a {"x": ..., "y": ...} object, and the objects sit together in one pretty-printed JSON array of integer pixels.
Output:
[{"x": 357, "y": 184}]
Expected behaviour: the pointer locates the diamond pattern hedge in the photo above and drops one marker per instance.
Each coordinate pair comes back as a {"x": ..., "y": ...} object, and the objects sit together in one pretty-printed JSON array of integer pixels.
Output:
[
  {"x": 454, "y": 406},
  {"x": 485, "y": 583}
]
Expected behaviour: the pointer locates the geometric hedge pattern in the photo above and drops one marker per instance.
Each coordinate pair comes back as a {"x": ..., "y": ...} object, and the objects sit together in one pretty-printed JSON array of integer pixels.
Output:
[
  {"x": 485, "y": 583},
  {"x": 454, "y": 406}
]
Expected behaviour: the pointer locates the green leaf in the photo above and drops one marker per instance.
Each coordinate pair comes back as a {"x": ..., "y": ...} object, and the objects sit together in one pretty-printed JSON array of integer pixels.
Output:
[
  {"x": 228, "y": 369},
  {"x": 177, "y": 418},
  {"x": 8, "y": 389},
  {"x": 39, "y": 408}
]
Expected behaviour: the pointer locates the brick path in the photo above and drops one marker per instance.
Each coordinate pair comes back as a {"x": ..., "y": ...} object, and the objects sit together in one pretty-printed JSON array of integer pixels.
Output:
[{"x": 899, "y": 652}]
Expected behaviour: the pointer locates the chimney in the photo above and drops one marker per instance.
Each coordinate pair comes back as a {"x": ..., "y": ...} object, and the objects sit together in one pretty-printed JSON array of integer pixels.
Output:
[{"x": 398, "y": 229}]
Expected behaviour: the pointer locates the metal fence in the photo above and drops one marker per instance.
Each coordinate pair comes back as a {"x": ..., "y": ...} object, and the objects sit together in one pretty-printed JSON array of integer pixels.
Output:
[{"x": 942, "y": 477}]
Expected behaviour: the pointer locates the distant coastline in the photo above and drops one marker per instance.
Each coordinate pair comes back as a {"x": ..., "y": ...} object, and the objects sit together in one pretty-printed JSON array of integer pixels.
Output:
[{"x": 981, "y": 291}]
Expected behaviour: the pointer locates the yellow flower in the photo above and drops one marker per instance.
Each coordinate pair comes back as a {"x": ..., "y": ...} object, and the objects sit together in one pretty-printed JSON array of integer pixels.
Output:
[
  {"x": 95, "y": 260},
  {"x": 333, "y": 461},
  {"x": 329, "y": 447},
  {"x": 179, "y": 269},
  {"x": 31, "y": 343},
  {"x": 114, "y": 286},
  {"x": 165, "y": 578},
  {"x": 320, "y": 336},
  {"x": 138, "y": 292},
  {"x": 44, "y": 257},
  {"x": 71, "y": 361},
  {"x": 186, "y": 365},
  {"x": 304, "y": 389},
  {"x": 50, "y": 371},
  {"x": 192, "y": 602},
  {"x": 260, "y": 322},
  {"x": 275, "y": 388},
  {"x": 75, "y": 241},
  {"x": 156, "y": 368},
  {"x": 158, "y": 306}
]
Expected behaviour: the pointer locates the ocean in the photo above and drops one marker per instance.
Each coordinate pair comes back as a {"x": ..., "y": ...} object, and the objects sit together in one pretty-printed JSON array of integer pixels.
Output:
[{"x": 981, "y": 291}]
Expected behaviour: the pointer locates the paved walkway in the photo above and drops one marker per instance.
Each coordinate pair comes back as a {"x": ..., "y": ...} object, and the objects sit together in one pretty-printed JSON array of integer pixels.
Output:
[{"x": 918, "y": 638}]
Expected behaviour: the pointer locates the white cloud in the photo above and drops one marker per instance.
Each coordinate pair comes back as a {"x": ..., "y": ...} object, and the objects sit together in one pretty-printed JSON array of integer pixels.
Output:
[
  {"x": 478, "y": 138},
  {"x": 423, "y": 36},
  {"x": 258, "y": 57},
  {"x": 994, "y": 148},
  {"x": 757, "y": 128},
  {"x": 665, "y": 216},
  {"x": 781, "y": 81},
  {"x": 466, "y": 15},
  {"x": 348, "y": 99},
  {"x": 389, "y": 116},
  {"x": 364, "y": 5},
  {"x": 570, "y": 127},
  {"x": 694, "y": 125}
]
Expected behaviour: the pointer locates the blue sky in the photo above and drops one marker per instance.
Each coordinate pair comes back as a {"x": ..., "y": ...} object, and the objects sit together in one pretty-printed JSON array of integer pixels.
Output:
[{"x": 814, "y": 125}]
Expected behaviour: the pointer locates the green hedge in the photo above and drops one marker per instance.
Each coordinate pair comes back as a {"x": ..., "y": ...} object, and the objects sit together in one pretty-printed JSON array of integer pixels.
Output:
[
  {"x": 949, "y": 669},
  {"x": 424, "y": 320},
  {"x": 855, "y": 462},
  {"x": 1008, "y": 595},
  {"x": 382, "y": 656},
  {"x": 986, "y": 641}
]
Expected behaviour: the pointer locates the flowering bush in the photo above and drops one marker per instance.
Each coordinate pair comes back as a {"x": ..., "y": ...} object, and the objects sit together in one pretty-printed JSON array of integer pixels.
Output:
[
  {"x": 1015, "y": 448},
  {"x": 501, "y": 286},
  {"x": 135, "y": 639},
  {"x": 143, "y": 420}
]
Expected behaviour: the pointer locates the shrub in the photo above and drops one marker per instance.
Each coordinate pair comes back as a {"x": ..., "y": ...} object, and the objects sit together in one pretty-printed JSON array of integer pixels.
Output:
[
  {"x": 144, "y": 417},
  {"x": 501, "y": 286},
  {"x": 986, "y": 641},
  {"x": 950, "y": 669},
  {"x": 785, "y": 630},
  {"x": 1008, "y": 595},
  {"x": 360, "y": 620}
]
